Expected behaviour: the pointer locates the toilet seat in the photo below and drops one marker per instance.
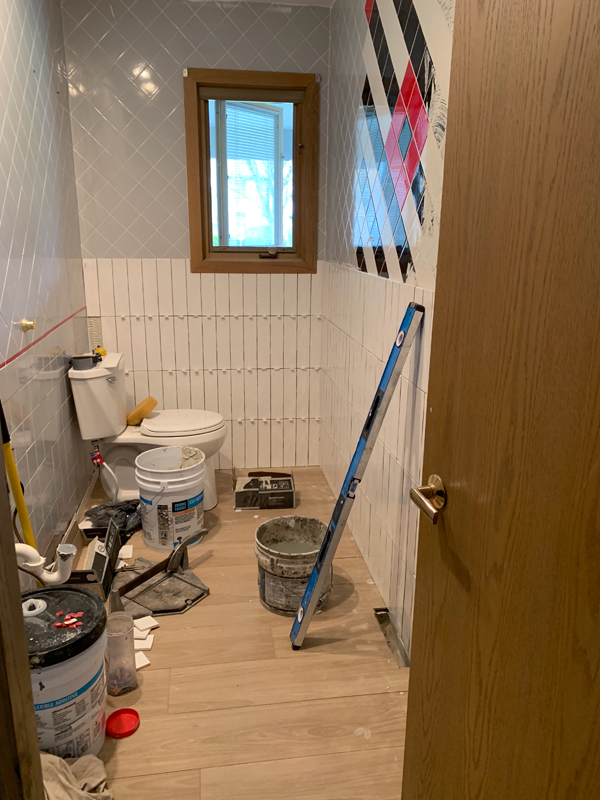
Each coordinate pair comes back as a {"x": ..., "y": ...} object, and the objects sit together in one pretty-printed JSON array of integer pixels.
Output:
[{"x": 181, "y": 422}]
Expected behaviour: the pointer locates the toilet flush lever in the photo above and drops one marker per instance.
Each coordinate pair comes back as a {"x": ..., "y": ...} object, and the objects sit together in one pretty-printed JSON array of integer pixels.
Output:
[
  {"x": 112, "y": 379},
  {"x": 430, "y": 498}
]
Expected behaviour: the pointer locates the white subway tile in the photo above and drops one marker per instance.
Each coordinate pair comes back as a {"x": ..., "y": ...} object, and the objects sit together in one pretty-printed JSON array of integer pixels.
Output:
[
  {"x": 276, "y": 393},
  {"x": 289, "y": 393},
  {"x": 314, "y": 407},
  {"x": 182, "y": 342},
  {"x": 223, "y": 343},
  {"x": 301, "y": 459},
  {"x": 209, "y": 342},
  {"x": 314, "y": 441},
  {"x": 290, "y": 338},
  {"x": 277, "y": 443},
  {"x": 136, "y": 287},
  {"x": 303, "y": 342},
  {"x": 237, "y": 394},
  {"x": 263, "y": 294},
  {"x": 90, "y": 281},
  {"x": 276, "y": 294},
  {"x": 138, "y": 343},
  {"x": 251, "y": 393},
  {"x": 123, "y": 325},
  {"x": 236, "y": 327},
  {"x": 264, "y": 443},
  {"x": 289, "y": 442},
  {"x": 169, "y": 389},
  {"x": 207, "y": 291},
  {"x": 197, "y": 388},
  {"x": 224, "y": 386},
  {"x": 183, "y": 388},
  {"x": 106, "y": 288},
  {"x": 153, "y": 351},
  {"x": 249, "y": 294},
  {"x": 264, "y": 393},
  {"x": 236, "y": 294},
  {"x": 150, "y": 286},
  {"x": 179, "y": 286},
  {"x": 165, "y": 286},
  {"x": 194, "y": 301},
  {"x": 238, "y": 439},
  {"x": 304, "y": 294},
  {"x": 196, "y": 343},
  {"x": 263, "y": 327},
  {"x": 222, "y": 294},
  {"x": 290, "y": 294},
  {"x": 250, "y": 342},
  {"x": 251, "y": 436},
  {"x": 211, "y": 390},
  {"x": 302, "y": 392},
  {"x": 167, "y": 343}
]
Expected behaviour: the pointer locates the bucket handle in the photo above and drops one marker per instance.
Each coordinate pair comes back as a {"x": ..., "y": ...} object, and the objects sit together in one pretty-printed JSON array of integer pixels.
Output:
[{"x": 163, "y": 488}]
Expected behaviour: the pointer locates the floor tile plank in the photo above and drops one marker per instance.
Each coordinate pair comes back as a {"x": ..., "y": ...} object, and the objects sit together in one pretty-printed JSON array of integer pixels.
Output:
[
  {"x": 367, "y": 775},
  {"x": 277, "y": 681}
]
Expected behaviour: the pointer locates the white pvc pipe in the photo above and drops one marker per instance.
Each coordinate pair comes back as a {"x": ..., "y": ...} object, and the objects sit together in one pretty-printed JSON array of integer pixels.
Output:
[{"x": 33, "y": 562}]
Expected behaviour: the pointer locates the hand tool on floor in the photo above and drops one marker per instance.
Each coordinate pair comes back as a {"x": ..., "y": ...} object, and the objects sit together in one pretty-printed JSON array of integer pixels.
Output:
[
  {"x": 166, "y": 587},
  {"x": 364, "y": 448},
  {"x": 15, "y": 483}
]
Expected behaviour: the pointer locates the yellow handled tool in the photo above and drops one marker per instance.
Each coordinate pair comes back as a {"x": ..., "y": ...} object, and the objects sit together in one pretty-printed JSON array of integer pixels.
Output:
[{"x": 15, "y": 483}]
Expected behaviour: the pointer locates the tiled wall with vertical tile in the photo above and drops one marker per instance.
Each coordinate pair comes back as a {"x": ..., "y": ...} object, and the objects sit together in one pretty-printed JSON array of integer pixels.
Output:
[
  {"x": 124, "y": 64},
  {"x": 41, "y": 275},
  {"x": 389, "y": 75},
  {"x": 247, "y": 346}
]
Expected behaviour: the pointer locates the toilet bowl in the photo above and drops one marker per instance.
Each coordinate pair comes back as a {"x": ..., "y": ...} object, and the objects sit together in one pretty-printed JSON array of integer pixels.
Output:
[
  {"x": 99, "y": 395},
  {"x": 177, "y": 427}
]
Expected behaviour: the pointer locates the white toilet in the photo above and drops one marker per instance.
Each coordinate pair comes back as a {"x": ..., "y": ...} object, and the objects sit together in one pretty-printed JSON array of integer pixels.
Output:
[{"x": 99, "y": 395}]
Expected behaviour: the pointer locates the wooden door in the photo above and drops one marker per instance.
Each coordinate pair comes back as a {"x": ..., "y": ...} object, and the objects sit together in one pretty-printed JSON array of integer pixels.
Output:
[{"x": 504, "y": 699}]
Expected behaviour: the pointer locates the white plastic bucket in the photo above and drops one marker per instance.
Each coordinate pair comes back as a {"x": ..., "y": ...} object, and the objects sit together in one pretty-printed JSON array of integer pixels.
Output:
[
  {"x": 68, "y": 700},
  {"x": 171, "y": 484}
]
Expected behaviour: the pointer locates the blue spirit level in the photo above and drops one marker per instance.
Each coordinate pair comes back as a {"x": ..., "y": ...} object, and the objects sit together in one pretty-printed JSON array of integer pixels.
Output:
[{"x": 362, "y": 454}]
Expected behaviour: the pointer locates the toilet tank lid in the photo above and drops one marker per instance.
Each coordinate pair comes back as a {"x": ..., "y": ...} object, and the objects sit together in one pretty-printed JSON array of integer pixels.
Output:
[{"x": 181, "y": 422}]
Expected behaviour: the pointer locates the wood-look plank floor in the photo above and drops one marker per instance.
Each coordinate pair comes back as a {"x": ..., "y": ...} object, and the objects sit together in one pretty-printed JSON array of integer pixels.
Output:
[{"x": 229, "y": 711}]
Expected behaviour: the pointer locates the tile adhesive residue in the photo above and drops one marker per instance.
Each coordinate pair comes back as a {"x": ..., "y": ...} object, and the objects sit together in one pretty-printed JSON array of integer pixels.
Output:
[{"x": 190, "y": 456}]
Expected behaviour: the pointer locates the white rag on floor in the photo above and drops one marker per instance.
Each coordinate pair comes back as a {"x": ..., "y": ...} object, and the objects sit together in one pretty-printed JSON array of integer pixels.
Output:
[{"x": 74, "y": 778}]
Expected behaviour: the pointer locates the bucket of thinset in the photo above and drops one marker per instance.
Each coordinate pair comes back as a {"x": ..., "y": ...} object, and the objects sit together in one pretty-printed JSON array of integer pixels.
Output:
[
  {"x": 171, "y": 484},
  {"x": 66, "y": 662},
  {"x": 286, "y": 549}
]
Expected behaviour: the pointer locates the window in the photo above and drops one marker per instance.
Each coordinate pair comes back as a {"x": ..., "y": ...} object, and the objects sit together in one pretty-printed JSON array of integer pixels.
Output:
[{"x": 252, "y": 162}]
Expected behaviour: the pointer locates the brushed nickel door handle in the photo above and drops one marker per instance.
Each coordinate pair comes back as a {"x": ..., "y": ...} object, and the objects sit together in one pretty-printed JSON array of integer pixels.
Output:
[{"x": 430, "y": 498}]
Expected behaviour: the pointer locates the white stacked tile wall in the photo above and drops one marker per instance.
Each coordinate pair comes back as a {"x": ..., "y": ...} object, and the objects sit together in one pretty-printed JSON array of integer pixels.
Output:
[
  {"x": 40, "y": 265},
  {"x": 362, "y": 314},
  {"x": 247, "y": 346}
]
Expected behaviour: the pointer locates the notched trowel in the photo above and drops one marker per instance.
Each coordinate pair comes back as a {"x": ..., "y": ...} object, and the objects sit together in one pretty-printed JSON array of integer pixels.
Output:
[{"x": 166, "y": 587}]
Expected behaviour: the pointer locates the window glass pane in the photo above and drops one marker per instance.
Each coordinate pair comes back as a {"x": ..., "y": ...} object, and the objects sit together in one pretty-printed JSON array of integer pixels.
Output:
[
  {"x": 251, "y": 173},
  {"x": 213, "y": 172}
]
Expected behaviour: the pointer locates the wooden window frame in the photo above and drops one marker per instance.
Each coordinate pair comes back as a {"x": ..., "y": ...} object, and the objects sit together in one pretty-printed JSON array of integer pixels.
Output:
[{"x": 303, "y": 90}]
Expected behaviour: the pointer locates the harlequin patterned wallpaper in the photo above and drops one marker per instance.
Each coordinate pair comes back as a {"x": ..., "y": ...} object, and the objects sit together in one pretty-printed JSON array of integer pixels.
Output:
[
  {"x": 389, "y": 108},
  {"x": 389, "y": 76}
]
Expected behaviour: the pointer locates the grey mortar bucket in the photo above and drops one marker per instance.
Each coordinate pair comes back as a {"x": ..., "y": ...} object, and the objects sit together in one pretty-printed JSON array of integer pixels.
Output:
[{"x": 286, "y": 549}]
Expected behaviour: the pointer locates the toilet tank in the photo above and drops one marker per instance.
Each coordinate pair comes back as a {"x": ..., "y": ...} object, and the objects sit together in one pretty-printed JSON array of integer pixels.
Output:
[{"x": 99, "y": 395}]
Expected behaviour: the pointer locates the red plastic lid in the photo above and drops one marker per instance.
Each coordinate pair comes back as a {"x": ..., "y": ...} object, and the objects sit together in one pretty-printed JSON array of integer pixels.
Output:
[{"x": 122, "y": 723}]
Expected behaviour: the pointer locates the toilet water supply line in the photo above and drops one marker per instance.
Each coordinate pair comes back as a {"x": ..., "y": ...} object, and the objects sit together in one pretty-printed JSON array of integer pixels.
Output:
[{"x": 98, "y": 461}]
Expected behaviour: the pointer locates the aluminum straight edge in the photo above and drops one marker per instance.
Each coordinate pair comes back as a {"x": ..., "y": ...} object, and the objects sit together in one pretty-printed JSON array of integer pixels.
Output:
[{"x": 364, "y": 448}]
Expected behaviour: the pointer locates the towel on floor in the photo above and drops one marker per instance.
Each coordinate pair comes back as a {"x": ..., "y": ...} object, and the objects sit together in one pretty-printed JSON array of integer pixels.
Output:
[{"x": 74, "y": 778}]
